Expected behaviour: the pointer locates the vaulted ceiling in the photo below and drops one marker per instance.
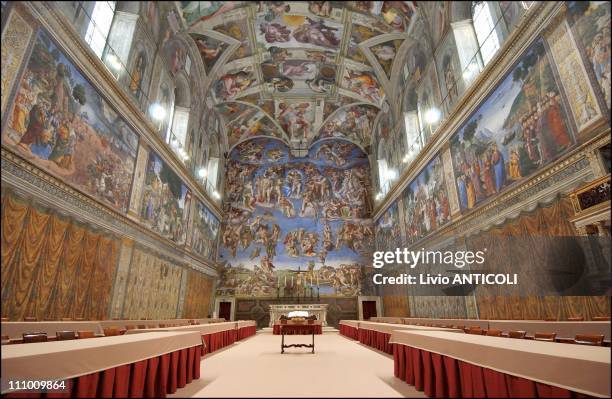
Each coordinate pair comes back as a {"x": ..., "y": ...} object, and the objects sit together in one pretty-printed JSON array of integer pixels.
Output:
[{"x": 300, "y": 71}]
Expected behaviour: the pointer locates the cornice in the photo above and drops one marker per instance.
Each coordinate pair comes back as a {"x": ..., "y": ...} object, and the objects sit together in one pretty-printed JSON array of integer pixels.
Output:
[
  {"x": 28, "y": 179},
  {"x": 535, "y": 21},
  {"x": 94, "y": 69}
]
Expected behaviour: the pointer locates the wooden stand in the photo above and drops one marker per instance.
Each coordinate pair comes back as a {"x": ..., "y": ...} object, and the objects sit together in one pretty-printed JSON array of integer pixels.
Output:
[{"x": 289, "y": 327}]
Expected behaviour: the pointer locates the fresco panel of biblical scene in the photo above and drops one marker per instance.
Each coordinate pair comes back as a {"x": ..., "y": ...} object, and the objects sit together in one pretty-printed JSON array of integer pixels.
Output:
[{"x": 62, "y": 124}]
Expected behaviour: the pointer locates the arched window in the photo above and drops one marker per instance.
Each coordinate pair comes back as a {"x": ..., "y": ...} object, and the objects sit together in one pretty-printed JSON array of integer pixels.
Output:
[
  {"x": 486, "y": 32},
  {"x": 99, "y": 26},
  {"x": 177, "y": 130}
]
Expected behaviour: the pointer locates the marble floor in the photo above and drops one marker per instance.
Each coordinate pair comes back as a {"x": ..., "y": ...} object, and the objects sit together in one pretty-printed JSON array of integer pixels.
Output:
[{"x": 255, "y": 368}]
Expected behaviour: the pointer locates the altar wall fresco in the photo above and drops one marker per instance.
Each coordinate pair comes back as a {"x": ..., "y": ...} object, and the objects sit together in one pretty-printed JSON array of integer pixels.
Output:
[{"x": 286, "y": 213}]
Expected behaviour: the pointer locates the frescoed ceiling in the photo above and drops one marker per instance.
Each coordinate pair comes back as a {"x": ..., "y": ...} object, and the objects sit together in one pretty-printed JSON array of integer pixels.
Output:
[{"x": 299, "y": 71}]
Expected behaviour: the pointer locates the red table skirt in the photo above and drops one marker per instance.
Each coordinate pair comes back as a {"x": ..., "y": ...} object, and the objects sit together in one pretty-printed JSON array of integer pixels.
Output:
[
  {"x": 442, "y": 376},
  {"x": 149, "y": 378},
  {"x": 375, "y": 339},
  {"x": 296, "y": 330},
  {"x": 349, "y": 331},
  {"x": 246, "y": 332},
  {"x": 218, "y": 340}
]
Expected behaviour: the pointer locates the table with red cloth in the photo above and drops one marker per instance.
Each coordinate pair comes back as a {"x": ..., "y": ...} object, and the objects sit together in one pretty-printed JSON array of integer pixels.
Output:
[
  {"x": 349, "y": 328},
  {"x": 299, "y": 329},
  {"x": 246, "y": 328},
  {"x": 214, "y": 336},
  {"x": 140, "y": 365},
  {"x": 378, "y": 335},
  {"x": 445, "y": 364}
]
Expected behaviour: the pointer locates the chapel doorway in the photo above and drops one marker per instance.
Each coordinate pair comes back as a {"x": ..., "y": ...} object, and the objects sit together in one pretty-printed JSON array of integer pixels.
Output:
[
  {"x": 369, "y": 309},
  {"x": 225, "y": 310}
]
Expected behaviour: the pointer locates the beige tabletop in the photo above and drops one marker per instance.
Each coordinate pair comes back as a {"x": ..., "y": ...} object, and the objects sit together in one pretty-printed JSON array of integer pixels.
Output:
[
  {"x": 68, "y": 359},
  {"x": 386, "y": 319},
  {"x": 564, "y": 329},
  {"x": 136, "y": 322},
  {"x": 584, "y": 369},
  {"x": 15, "y": 329},
  {"x": 484, "y": 324},
  {"x": 351, "y": 323},
  {"x": 203, "y": 329},
  {"x": 388, "y": 328},
  {"x": 246, "y": 323}
]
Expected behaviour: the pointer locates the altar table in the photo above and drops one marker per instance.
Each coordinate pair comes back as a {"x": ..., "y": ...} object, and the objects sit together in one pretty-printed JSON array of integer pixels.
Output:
[
  {"x": 140, "y": 365},
  {"x": 445, "y": 364}
]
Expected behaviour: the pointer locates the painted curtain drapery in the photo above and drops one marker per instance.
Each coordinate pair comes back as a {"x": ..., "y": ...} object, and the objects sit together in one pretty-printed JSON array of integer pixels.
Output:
[
  {"x": 550, "y": 221},
  {"x": 53, "y": 267},
  {"x": 197, "y": 296}
]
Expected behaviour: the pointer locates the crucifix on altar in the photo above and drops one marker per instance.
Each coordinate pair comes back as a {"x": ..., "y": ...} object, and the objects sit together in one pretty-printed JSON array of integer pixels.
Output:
[{"x": 299, "y": 285}]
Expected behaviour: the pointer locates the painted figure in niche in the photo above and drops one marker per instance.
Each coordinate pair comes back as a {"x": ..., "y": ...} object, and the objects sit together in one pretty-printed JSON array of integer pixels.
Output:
[
  {"x": 416, "y": 61},
  {"x": 364, "y": 84},
  {"x": 138, "y": 74},
  {"x": 385, "y": 53},
  {"x": 239, "y": 32},
  {"x": 316, "y": 32},
  {"x": 293, "y": 119},
  {"x": 210, "y": 52},
  {"x": 592, "y": 21},
  {"x": 449, "y": 78},
  {"x": 178, "y": 59},
  {"x": 232, "y": 84}
]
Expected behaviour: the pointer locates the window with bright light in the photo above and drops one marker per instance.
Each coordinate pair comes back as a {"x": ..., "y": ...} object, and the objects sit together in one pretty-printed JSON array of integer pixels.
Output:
[
  {"x": 383, "y": 175},
  {"x": 413, "y": 136},
  {"x": 485, "y": 30},
  {"x": 213, "y": 171},
  {"x": 99, "y": 26},
  {"x": 180, "y": 122}
]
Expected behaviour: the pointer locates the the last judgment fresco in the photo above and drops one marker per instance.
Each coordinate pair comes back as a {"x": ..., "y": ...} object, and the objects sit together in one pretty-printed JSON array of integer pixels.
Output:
[{"x": 323, "y": 204}]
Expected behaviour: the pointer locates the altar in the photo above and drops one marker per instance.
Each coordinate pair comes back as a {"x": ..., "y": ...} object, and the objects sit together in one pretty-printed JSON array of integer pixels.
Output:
[{"x": 319, "y": 310}]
